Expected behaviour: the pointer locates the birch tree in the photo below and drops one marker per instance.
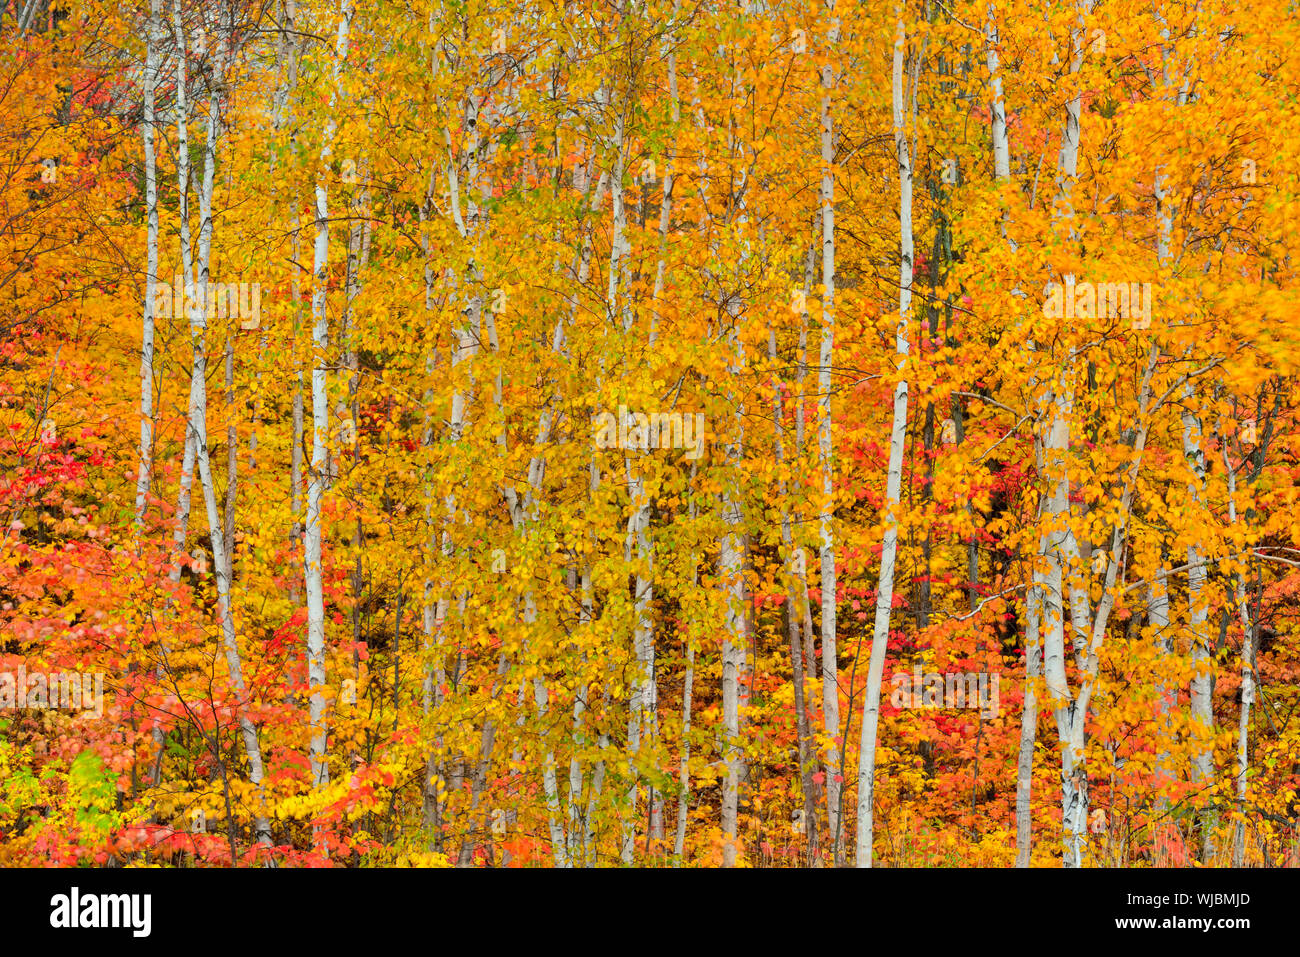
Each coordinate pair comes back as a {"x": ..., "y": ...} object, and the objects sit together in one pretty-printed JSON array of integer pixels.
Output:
[
  {"x": 897, "y": 438},
  {"x": 320, "y": 417}
]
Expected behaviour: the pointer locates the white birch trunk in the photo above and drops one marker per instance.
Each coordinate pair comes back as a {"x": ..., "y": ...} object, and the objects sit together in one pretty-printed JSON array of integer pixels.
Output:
[
  {"x": 1198, "y": 611},
  {"x": 1028, "y": 726},
  {"x": 794, "y": 618},
  {"x": 320, "y": 426},
  {"x": 732, "y": 553},
  {"x": 808, "y": 638},
  {"x": 183, "y": 495},
  {"x": 153, "y": 38},
  {"x": 730, "y": 561},
  {"x": 1034, "y": 591},
  {"x": 1158, "y": 620},
  {"x": 826, "y": 461},
  {"x": 998, "y": 110},
  {"x": 688, "y": 683},
  {"x": 1247, "y": 680},
  {"x": 893, "y": 480},
  {"x": 196, "y": 280},
  {"x": 1059, "y": 548}
]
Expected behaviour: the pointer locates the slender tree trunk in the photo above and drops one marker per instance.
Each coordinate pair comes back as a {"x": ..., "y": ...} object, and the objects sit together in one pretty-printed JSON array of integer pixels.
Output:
[
  {"x": 801, "y": 607},
  {"x": 1202, "y": 682},
  {"x": 799, "y": 561},
  {"x": 684, "y": 772},
  {"x": 1034, "y": 591},
  {"x": 731, "y": 561},
  {"x": 794, "y": 622},
  {"x": 295, "y": 473},
  {"x": 1060, "y": 555},
  {"x": 826, "y": 457},
  {"x": 1158, "y": 620},
  {"x": 1248, "y": 628},
  {"x": 893, "y": 480},
  {"x": 731, "y": 556},
  {"x": 320, "y": 426},
  {"x": 195, "y": 264},
  {"x": 639, "y": 532},
  {"x": 1198, "y": 613},
  {"x": 153, "y": 38},
  {"x": 1028, "y": 727},
  {"x": 232, "y": 451},
  {"x": 144, "y": 481},
  {"x": 581, "y": 825},
  {"x": 479, "y": 783}
]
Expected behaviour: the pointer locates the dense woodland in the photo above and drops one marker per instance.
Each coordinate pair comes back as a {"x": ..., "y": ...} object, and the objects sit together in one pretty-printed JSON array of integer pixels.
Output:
[{"x": 567, "y": 434}]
